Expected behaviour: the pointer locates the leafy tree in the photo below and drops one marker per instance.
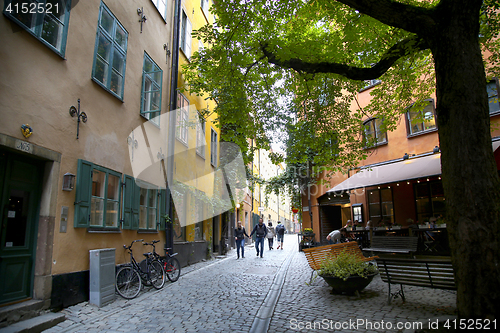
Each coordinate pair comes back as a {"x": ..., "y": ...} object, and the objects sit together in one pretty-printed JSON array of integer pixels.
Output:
[{"x": 273, "y": 63}]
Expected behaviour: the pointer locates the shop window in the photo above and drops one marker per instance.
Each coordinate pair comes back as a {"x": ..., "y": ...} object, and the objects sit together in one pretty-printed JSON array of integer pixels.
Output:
[
  {"x": 357, "y": 213},
  {"x": 429, "y": 200},
  {"x": 381, "y": 206}
]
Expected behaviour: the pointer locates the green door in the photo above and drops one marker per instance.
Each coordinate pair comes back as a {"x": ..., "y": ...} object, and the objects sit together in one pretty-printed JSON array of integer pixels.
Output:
[{"x": 19, "y": 202}]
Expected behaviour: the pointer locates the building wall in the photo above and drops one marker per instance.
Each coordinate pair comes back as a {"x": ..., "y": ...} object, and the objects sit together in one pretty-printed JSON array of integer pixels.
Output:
[
  {"x": 397, "y": 145},
  {"x": 38, "y": 87}
]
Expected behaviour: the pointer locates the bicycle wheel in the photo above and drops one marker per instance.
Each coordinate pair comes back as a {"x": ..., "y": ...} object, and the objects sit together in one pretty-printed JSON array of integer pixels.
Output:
[
  {"x": 173, "y": 269},
  {"x": 128, "y": 282},
  {"x": 156, "y": 274}
]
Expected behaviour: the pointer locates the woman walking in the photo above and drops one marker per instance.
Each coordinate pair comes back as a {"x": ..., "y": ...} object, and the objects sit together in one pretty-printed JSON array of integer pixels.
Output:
[
  {"x": 239, "y": 235},
  {"x": 270, "y": 235}
]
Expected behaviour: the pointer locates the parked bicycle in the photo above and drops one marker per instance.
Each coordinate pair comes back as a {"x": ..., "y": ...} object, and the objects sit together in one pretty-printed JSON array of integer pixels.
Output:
[
  {"x": 130, "y": 277},
  {"x": 171, "y": 265}
]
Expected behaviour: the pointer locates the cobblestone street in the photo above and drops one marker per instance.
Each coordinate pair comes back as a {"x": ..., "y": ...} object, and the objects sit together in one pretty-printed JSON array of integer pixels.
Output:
[{"x": 254, "y": 294}]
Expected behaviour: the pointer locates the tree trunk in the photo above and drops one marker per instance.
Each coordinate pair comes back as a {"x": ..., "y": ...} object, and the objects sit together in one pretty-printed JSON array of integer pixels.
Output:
[{"x": 470, "y": 180}]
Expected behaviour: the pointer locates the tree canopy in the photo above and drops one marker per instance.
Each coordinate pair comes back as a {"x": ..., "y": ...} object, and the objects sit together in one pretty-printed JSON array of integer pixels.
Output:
[{"x": 282, "y": 66}]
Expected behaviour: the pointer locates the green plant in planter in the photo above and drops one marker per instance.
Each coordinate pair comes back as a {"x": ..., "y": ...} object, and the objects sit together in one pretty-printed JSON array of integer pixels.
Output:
[
  {"x": 346, "y": 265},
  {"x": 308, "y": 231}
]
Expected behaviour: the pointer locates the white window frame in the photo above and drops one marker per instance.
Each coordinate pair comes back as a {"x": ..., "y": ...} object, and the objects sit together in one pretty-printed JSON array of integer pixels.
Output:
[
  {"x": 204, "y": 7},
  {"x": 161, "y": 6},
  {"x": 182, "y": 119},
  {"x": 213, "y": 147},
  {"x": 186, "y": 38},
  {"x": 200, "y": 137}
]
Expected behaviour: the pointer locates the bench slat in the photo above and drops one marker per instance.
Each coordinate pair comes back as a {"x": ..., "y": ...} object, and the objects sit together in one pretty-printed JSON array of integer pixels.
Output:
[{"x": 431, "y": 273}]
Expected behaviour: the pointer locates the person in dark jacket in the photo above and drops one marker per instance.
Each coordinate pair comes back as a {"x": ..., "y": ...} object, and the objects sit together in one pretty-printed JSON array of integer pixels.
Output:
[
  {"x": 239, "y": 235},
  {"x": 260, "y": 232}
]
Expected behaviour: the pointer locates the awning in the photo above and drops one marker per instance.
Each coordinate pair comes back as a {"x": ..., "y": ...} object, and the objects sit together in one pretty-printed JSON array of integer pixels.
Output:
[
  {"x": 413, "y": 168},
  {"x": 394, "y": 172}
]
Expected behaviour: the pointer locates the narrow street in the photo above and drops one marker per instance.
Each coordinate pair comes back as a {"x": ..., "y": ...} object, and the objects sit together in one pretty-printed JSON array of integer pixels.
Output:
[{"x": 256, "y": 294}]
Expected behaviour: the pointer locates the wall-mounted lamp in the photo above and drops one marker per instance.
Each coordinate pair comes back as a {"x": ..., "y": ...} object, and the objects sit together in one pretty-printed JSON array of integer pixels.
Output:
[
  {"x": 238, "y": 206},
  {"x": 436, "y": 150},
  {"x": 68, "y": 181},
  {"x": 143, "y": 18}
]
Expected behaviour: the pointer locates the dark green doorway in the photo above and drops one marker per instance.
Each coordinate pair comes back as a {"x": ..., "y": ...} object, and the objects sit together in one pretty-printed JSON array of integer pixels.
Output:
[{"x": 20, "y": 179}]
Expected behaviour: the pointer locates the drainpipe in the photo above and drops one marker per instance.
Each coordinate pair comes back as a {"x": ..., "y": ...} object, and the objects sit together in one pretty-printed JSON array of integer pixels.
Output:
[{"x": 169, "y": 235}]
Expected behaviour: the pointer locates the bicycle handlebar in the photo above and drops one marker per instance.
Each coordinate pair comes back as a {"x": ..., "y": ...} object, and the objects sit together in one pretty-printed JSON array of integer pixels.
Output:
[{"x": 130, "y": 247}]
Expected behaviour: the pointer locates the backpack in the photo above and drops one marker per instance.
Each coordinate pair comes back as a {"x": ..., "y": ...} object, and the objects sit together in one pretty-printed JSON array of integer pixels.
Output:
[{"x": 280, "y": 229}]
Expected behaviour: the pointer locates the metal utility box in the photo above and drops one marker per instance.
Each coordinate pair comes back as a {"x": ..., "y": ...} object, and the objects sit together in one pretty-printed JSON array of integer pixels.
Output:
[{"x": 102, "y": 276}]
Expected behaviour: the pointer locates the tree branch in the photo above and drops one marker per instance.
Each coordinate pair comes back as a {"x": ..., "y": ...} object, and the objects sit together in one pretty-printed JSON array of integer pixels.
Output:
[
  {"x": 401, "y": 49},
  {"x": 407, "y": 17}
]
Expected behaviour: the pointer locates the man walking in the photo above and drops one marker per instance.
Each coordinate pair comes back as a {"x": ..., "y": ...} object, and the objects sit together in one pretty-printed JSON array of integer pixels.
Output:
[
  {"x": 260, "y": 231},
  {"x": 280, "y": 232}
]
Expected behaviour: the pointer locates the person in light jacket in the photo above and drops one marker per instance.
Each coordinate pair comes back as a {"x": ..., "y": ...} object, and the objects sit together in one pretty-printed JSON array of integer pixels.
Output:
[{"x": 270, "y": 235}]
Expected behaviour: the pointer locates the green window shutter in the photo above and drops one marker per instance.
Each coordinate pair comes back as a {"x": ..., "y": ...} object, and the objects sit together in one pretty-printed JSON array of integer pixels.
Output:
[
  {"x": 130, "y": 204},
  {"x": 135, "y": 207},
  {"x": 162, "y": 204},
  {"x": 128, "y": 196},
  {"x": 83, "y": 194}
]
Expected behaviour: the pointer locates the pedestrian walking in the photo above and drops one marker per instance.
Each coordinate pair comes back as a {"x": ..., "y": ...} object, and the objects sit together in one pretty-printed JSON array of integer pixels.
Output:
[
  {"x": 271, "y": 233},
  {"x": 280, "y": 233},
  {"x": 239, "y": 235},
  {"x": 260, "y": 232}
]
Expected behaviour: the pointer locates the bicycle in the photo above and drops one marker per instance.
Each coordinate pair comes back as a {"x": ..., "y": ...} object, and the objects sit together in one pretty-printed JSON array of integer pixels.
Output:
[
  {"x": 171, "y": 265},
  {"x": 130, "y": 277}
]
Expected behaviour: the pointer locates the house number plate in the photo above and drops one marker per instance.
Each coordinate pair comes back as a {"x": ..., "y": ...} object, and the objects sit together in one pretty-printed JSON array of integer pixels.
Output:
[{"x": 24, "y": 146}]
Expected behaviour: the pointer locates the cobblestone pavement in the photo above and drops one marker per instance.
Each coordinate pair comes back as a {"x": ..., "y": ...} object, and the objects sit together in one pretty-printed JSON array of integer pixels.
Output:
[{"x": 254, "y": 294}]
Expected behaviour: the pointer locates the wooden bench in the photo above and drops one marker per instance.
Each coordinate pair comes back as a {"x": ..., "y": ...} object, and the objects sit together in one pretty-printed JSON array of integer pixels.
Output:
[
  {"x": 316, "y": 255},
  {"x": 393, "y": 244},
  {"x": 431, "y": 273}
]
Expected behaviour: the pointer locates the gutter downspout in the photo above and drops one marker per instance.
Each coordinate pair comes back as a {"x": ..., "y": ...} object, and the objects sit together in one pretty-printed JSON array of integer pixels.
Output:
[{"x": 169, "y": 235}]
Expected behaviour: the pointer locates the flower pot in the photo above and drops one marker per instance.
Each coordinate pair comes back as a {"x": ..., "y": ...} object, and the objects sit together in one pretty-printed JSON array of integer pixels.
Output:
[{"x": 349, "y": 286}]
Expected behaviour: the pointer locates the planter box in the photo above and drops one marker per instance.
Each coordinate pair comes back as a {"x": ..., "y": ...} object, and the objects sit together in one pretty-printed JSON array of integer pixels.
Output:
[
  {"x": 441, "y": 225},
  {"x": 360, "y": 228},
  {"x": 397, "y": 227},
  {"x": 423, "y": 226},
  {"x": 349, "y": 286},
  {"x": 349, "y": 229}
]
